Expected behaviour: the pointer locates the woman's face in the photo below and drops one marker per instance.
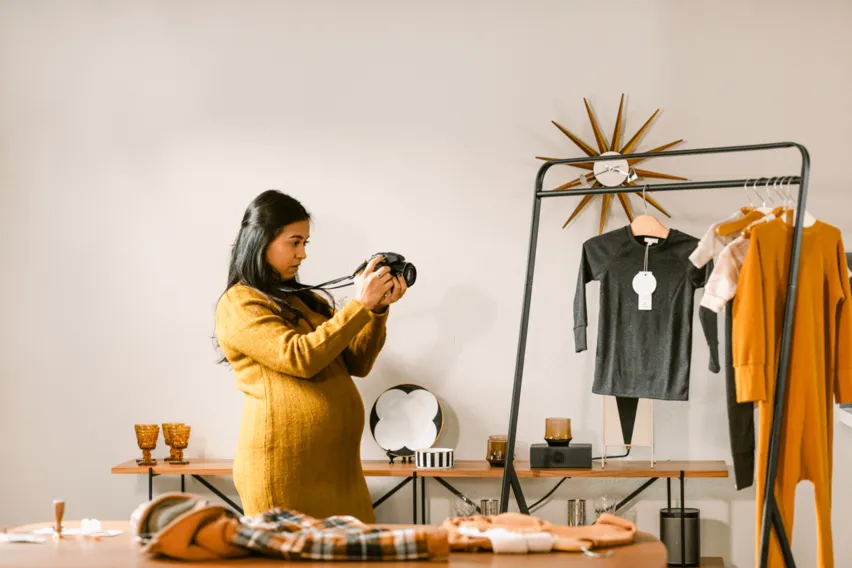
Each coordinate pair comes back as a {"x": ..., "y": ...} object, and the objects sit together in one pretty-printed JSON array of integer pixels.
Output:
[{"x": 287, "y": 251}]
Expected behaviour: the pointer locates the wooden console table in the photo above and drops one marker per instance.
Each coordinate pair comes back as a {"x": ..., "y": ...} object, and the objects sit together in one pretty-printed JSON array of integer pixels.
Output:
[{"x": 470, "y": 469}]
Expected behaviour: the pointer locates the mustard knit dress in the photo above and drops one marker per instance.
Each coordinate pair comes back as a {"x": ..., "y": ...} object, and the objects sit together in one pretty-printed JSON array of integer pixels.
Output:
[{"x": 300, "y": 435}]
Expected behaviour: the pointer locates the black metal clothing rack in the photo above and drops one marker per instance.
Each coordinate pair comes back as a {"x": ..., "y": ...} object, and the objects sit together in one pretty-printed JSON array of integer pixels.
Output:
[{"x": 771, "y": 515}]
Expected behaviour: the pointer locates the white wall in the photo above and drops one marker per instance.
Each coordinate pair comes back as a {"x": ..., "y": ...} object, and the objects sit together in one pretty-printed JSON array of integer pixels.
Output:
[{"x": 133, "y": 134}]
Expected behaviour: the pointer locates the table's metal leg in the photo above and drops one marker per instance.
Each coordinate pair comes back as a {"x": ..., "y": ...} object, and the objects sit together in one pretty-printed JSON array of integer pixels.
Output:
[
  {"x": 218, "y": 493},
  {"x": 633, "y": 495},
  {"x": 457, "y": 493},
  {"x": 387, "y": 495},
  {"x": 682, "y": 524},
  {"x": 669, "y": 493},
  {"x": 182, "y": 484},
  {"x": 150, "y": 483},
  {"x": 414, "y": 497},
  {"x": 423, "y": 500}
]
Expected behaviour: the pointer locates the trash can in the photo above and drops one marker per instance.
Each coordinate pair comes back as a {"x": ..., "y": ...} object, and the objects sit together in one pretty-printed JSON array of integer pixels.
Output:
[{"x": 670, "y": 534}]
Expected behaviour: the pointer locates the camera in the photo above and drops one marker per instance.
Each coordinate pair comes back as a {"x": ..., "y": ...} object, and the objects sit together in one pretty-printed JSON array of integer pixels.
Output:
[{"x": 397, "y": 263}]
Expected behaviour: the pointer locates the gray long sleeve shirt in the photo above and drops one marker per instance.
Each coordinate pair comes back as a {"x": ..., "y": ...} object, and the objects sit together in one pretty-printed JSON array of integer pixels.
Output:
[{"x": 643, "y": 353}]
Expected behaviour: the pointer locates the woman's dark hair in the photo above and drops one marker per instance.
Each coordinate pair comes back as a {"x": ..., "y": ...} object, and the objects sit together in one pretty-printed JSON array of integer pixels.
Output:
[{"x": 263, "y": 220}]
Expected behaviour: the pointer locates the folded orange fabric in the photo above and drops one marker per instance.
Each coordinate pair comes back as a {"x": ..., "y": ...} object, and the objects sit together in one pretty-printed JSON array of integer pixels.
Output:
[{"x": 608, "y": 530}]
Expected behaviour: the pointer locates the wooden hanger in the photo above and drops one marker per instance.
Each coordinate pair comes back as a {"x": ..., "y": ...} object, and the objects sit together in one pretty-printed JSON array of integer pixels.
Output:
[
  {"x": 647, "y": 225},
  {"x": 737, "y": 225},
  {"x": 782, "y": 211},
  {"x": 750, "y": 214}
]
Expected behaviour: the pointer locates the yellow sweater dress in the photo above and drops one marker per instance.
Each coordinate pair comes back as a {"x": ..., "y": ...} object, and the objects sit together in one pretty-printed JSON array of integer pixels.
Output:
[{"x": 299, "y": 439}]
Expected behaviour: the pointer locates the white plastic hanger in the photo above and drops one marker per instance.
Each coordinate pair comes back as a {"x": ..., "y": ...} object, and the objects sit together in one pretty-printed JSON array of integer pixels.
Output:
[
  {"x": 750, "y": 214},
  {"x": 647, "y": 225},
  {"x": 808, "y": 220},
  {"x": 764, "y": 208}
]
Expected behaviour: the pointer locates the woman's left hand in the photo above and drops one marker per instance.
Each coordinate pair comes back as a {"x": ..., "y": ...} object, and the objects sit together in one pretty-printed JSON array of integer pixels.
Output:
[{"x": 396, "y": 292}]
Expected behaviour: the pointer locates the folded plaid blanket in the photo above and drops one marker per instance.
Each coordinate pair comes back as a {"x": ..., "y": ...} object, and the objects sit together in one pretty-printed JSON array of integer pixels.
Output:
[
  {"x": 188, "y": 527},
  {"x": 292, "y": 535}
]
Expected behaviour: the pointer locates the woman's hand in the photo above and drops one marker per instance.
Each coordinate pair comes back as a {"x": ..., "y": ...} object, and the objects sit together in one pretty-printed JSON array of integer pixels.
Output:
[
  {"x": 371, "y": 285},
  {"x": 396, "y": 292}
]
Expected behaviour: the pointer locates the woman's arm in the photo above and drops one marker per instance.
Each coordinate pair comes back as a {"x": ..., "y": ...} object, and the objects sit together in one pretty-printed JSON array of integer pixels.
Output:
[
  {"x": 363, "y": 350},
  {"x": 248, "y": 322}
]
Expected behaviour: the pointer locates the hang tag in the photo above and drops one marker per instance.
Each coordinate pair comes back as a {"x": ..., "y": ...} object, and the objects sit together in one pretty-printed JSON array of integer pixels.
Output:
[
  {"x": 651, "y": 240},
  {"x": 644, "y": 285}
]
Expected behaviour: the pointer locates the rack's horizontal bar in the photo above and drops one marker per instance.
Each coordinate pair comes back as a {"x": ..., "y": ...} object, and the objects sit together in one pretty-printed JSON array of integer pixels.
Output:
[
  {"x": 687, "y": 152},
  {"x": 684, "y": 186}
]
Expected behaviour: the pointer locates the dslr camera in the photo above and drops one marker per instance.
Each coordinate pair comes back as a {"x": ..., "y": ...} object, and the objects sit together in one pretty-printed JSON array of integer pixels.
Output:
[{"x": 397, "y": 263}]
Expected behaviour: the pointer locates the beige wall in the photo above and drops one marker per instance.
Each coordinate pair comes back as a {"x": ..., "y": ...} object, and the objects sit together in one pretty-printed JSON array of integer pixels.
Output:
[{"x": 133, "y": 134}]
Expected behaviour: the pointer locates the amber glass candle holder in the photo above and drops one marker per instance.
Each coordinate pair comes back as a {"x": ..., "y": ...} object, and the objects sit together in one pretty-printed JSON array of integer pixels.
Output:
[
  {"x": 496, "y": 454},
  {"x": 557, "y": 431},
  {"x": 146, "y": 438},
  {"x": 180, "y": 440},
  {"x": 167, "y": 436}
]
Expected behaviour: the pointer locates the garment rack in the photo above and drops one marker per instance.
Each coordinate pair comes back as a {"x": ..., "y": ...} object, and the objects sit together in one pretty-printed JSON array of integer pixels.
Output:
[{"x": 771, "y": 515}]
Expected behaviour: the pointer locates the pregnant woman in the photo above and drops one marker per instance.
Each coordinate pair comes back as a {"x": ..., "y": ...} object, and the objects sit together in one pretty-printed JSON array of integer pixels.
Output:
[{"x": 294, "y": 356}]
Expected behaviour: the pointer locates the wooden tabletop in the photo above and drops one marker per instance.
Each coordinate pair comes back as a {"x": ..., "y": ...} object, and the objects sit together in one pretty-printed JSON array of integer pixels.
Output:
[
  {"x": 463, "y": 468},
  {"x": 121, "y": 551},
  {"x": 614, "y": 468}
]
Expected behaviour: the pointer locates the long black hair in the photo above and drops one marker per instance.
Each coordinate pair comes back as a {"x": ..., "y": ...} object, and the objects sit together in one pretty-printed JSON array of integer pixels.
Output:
[{"x": 263, "y": 220}]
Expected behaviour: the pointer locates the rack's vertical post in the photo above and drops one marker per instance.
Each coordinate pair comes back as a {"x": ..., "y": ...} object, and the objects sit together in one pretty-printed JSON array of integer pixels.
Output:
[
  {"x": 770, "y": 507},
  {"x": 509, "y": 475},
  {"x": 682, "y": 522}
]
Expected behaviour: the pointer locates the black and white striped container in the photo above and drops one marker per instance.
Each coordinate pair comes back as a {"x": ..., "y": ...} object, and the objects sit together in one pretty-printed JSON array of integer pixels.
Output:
[{"x": 434, "y": 458}]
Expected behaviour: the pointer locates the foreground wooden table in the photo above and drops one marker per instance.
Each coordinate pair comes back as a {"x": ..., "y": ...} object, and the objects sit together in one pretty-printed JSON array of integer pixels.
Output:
[{"x": 121, "y": 552}]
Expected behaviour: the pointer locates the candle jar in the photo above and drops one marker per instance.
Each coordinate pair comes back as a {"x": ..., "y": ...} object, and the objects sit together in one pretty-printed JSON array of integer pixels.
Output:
[
  {"x": 557, "y": 431},
  {"x": 496, "y": 454}
]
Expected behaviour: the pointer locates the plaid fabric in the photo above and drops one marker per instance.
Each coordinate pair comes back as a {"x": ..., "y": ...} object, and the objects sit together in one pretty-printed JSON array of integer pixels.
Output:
[{"x": 294, "y": 536}]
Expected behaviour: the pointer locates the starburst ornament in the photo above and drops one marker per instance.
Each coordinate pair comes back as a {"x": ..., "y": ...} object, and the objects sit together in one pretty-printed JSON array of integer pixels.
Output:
[{"x": 615, "y": 172}]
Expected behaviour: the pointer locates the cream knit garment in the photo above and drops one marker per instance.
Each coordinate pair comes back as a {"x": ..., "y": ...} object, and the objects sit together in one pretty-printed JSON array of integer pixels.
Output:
[
  {"x": 722, "y": 284},
  {"x": 712, "y": 244}
]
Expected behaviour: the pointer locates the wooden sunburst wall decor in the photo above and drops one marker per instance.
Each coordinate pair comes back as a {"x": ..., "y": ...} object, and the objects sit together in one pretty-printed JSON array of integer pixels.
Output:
[{"x": 616, "y": 172}]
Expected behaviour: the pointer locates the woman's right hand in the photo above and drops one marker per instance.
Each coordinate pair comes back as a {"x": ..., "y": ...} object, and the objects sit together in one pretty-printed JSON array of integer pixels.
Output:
[{"x": 371, "y": 285}]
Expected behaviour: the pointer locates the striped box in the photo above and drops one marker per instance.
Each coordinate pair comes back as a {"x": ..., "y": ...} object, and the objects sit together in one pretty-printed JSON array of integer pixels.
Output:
[{"x": 434, "y": 458}]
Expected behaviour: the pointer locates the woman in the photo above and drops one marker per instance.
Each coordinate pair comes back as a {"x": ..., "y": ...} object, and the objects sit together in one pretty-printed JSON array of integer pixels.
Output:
[{"x": 294, "y": 357}]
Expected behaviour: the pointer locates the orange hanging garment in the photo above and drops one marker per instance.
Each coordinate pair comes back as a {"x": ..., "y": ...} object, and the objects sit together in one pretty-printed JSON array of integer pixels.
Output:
[{"x": 820, "y": 364}]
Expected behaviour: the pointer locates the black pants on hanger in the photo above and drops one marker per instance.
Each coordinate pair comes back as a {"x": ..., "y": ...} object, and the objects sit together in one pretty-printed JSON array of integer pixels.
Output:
[
  {"x": 627, "y": 416},
  {"x": 740, "y": 417}
]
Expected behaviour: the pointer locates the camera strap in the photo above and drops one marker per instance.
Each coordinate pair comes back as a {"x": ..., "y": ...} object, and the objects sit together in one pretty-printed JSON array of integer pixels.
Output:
[
  {"x": 329, "y": 285},
  {"x": 335, "y": 283}
]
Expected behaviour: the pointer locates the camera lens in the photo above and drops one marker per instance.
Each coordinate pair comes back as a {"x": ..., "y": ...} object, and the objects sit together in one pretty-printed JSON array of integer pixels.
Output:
[{"x": 409, "y": 273}]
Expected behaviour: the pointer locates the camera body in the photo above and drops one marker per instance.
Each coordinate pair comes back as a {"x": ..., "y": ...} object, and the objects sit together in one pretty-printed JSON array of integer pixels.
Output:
[{"x": 397, "y": 263}]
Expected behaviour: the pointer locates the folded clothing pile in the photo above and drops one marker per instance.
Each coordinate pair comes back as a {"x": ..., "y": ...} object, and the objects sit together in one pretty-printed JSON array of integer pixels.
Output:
[
  {"x": 188, "y": 527},
  {"x": 516, "y": 533}
]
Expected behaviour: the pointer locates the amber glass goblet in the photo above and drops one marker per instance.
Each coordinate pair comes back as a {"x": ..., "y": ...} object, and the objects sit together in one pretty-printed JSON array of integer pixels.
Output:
[
  {"x": 167, "y": 435},
  {"x": 146, "y": 438},
  {"x": 180, "y": 440}
]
